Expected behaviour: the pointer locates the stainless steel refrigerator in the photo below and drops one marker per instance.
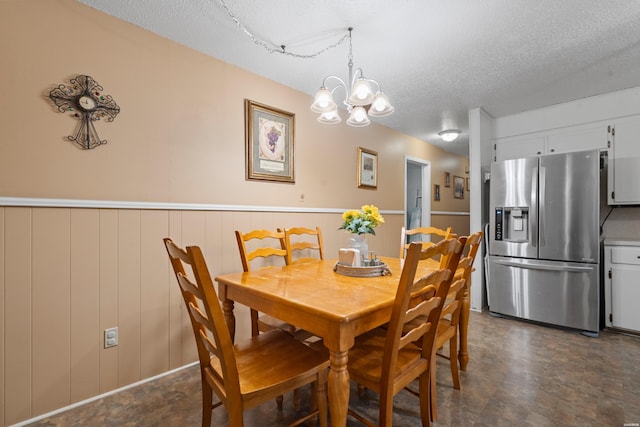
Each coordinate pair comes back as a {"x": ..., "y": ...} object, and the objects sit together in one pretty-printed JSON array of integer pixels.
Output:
[{"x": 544, "y": 238}]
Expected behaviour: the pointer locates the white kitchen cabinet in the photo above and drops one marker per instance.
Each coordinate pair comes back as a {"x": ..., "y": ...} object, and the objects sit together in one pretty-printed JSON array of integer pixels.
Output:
[
  {"x": 624, "y": 162},
  {"x": 577, "y": 139},
  {"x": 568, "y": 140},
  {"x": 622, "y": 286},
  {"x": 528, "y": 147}
]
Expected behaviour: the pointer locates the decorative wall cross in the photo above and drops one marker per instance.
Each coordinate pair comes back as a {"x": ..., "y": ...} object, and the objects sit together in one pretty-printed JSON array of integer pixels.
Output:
[{"x": 84, "y": 99}]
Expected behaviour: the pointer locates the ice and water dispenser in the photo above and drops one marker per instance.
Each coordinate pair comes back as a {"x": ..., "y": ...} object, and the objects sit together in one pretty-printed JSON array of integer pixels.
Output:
[{"x": 512, "y": 224}]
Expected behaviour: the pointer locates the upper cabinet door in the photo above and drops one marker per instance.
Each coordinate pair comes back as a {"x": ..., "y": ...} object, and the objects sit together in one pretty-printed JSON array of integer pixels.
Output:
[
  {"x": 624, "y": 162},
  {"x": 580, "y": 139},
  {"x": 529, "y": 147}
]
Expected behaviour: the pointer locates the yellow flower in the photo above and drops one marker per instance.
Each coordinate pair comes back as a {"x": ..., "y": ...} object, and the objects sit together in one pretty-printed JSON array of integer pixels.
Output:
[
  {"x": 350, "y": 215},
  {"x": 362, "y": 221}
]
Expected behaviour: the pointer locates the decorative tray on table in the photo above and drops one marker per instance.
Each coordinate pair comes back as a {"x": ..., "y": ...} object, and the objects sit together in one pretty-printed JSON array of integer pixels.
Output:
[{"x": 368, "y": 271}]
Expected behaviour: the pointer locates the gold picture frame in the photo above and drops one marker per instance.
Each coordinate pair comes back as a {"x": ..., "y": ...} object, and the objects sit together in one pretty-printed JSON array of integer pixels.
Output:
[
  {"x": 269, "y": 150},
  {"x": 447, "y": 179},
  {"x": 367, "y": 168},
  {"x": 458, "y": 187},
  {"x": 436, "y": 192}
]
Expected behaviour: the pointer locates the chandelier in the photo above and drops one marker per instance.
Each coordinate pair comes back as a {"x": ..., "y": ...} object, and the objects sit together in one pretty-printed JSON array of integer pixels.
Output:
[{"x": 360, "y": 99}]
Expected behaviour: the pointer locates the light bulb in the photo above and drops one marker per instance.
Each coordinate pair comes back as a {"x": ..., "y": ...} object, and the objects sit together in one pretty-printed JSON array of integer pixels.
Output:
[
  {"x": 361, "y": 93},
  {"x": 358, "y": 117}
]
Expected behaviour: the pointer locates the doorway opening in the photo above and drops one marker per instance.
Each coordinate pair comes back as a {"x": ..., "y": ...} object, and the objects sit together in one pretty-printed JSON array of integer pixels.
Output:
[{"x": 417, "y": 194}]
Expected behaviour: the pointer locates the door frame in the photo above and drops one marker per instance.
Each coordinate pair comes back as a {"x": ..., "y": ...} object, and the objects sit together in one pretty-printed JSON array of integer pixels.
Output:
[{"x": 425, "y": 167}]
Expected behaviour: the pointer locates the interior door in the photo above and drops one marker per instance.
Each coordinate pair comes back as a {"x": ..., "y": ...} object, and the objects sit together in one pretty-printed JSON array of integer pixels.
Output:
[{"x": 417, "y": 193}]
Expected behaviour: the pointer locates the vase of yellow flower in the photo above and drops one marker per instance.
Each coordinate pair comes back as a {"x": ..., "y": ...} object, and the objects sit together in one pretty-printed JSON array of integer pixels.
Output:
[
  {"x": 359, "y": 223},
  {"x": 359, "y": 242}
]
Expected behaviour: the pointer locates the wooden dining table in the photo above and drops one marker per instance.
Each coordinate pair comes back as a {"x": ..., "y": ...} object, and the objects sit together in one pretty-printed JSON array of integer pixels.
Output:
[{"x": 314, "y": 297}]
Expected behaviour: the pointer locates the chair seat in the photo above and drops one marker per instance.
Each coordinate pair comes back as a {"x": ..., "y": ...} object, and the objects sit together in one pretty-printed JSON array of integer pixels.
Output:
[
  {"x": 445, "y": 331},
  {"x": 272, "y": 359},
  {"x": 365, "y": 360}
]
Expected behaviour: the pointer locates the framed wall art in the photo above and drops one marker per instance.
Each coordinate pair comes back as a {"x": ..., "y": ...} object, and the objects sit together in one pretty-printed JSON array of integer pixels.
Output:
[
  {"x": 269, "y": 134},
  {"x": 447, "y": 179},
  {"x": 458, "y": 187},
  {"x": 367, "y": 168},
  {"x": 436, "y": 192}
]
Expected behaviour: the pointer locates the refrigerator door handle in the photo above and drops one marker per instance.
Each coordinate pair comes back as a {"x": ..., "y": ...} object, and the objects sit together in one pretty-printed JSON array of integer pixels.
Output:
[
  {"x": 541, "y": 202},
  {"x": 575, "y": 269},
  {"x": 533, "y": 215}
]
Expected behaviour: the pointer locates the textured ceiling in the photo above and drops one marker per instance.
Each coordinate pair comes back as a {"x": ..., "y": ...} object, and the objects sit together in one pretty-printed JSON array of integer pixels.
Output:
[{"x": 434, "y": 59}]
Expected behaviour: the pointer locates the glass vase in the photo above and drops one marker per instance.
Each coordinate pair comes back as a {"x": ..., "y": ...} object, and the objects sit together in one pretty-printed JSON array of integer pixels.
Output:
[{"x": 359, "y": 242}]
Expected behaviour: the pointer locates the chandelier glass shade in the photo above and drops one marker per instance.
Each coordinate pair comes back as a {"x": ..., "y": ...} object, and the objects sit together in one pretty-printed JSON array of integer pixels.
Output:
[{"x": 363, "y": 98}]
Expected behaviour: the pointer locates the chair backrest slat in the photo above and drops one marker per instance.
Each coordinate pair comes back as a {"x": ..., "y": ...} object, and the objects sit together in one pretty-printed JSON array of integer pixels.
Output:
[
  {"x": 277, "y": 249},
  {"x": 422, "y": 233},
  {"x": 300, "y": 241}
]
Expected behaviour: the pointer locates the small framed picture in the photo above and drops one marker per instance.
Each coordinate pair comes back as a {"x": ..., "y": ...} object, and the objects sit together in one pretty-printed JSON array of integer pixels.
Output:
[
  {"x": 447, "y": 179},
  {"x": 436, "y": 192},
  {"x": 367, "y": 169},
  {"x": 458, "y": 187},
  {"x": 467, "y": 179},
  {"x": 269, "y": 143}
]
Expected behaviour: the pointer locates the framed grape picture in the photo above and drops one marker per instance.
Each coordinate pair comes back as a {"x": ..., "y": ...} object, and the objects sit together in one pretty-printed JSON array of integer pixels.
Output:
[{"x": 269, "y": 134}]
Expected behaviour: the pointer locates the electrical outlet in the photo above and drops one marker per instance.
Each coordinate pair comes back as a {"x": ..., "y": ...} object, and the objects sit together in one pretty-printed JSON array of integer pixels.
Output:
[{"x": 110, "y": 337}]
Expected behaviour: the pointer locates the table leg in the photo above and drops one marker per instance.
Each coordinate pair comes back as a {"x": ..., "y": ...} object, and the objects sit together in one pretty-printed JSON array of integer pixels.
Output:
[
  {"x": 463, "y": 326},
  {"x": 229, "y": 318},
  {"x": 338, "y": 388}
]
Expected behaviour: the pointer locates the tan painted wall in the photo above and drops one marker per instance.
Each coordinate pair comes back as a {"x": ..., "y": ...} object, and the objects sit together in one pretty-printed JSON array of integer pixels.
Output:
[
  {"x": 180, "y": 134},
  {"x": 179, "y": 138}
]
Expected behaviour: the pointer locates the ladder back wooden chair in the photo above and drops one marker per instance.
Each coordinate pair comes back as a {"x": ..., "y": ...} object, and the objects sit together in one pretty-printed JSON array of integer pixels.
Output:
[
  {"x": 270, "y": 244},
  {"x": 449, "y": 313},
  {"x": 470, "y": 251},
  {"x": 423, "y": 235},
  {"x": 276, "y": 247},
  {"x": 249, "y": 373},
  {"x": 303, "y": 244},
  {"x": 448, "y": 333},
  {"x": 388, "y": 359}
]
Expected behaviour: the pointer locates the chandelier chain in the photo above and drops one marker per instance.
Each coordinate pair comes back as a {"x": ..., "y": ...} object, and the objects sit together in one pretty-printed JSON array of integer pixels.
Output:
[
  {"x": 350, "y": 48},
  {"x": 281, "y": 49}
]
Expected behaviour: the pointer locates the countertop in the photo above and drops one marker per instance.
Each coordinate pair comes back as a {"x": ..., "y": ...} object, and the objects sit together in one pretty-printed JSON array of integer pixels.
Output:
[{"x": 621, "y": 241}]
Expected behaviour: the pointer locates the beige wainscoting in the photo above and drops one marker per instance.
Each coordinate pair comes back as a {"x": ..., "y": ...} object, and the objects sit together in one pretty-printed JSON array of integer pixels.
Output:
[
  {"x": 459, "y": 221},
  {"x": 67, "y": 273}
]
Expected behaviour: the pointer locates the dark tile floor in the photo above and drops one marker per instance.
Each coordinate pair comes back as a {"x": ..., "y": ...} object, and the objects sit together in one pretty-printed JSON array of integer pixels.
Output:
[{"x": 520, "y": 374}]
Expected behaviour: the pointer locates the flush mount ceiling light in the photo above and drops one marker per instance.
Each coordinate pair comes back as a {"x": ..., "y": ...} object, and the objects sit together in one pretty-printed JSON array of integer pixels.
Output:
[
  {"x": 449, "y": 134},
  {"x": 360, "y": 99}
]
